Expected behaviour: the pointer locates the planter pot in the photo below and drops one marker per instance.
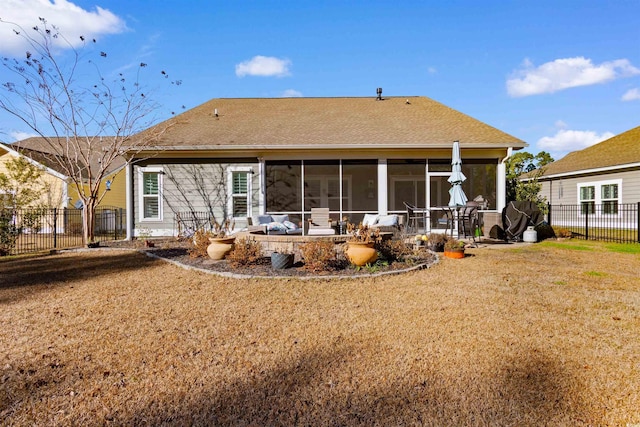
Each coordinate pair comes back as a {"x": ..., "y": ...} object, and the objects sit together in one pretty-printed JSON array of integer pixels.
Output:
[
  {"x": 281, "y": 261},
  {"x": 456, "y": 254},
  {"x": 360, "y": 253},
  {"x": 220, "y": 247}
]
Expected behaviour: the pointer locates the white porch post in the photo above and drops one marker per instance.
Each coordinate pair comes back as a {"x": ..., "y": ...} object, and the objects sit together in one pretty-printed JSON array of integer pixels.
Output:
[
  {"x": 261, "y": 186},
  {"x": 501, "y": 185},
  {"x": 383, "y": 194},
  {"x": 129, "y": 199}
]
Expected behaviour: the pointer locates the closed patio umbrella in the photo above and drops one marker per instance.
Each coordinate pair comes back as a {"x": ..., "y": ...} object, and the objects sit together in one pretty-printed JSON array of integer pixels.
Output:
[{"x": 457, "y": 196}]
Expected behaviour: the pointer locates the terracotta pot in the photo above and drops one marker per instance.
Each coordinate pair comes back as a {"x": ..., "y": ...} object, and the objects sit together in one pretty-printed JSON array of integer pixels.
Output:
[
  {"x": 360, "y": 253},
  {"x": 220, "y": 247},
  {"x": 456, "y": 254}
]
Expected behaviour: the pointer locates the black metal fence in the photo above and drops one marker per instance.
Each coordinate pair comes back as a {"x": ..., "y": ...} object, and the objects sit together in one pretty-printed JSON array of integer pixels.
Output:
[
  {"x": 605, "y": 222},
  {"x": 37, "y": 229}
]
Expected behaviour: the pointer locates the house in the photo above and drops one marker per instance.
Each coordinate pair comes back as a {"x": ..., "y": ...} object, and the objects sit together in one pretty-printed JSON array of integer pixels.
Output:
[
  {"x": 598, "y": 178},
  {"x": 238, "y": 158},
  {"x": 40, "y": 151},
  {"x": 53, "y": 183}
]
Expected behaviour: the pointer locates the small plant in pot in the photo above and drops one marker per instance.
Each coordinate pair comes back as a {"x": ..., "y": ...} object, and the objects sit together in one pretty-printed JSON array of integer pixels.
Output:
[
  {"x": 436, "y": 241},
  {"x": 360, "y": 245},
  {"x": 454, "y": 248},
  {"x": 221, "y": 242}
]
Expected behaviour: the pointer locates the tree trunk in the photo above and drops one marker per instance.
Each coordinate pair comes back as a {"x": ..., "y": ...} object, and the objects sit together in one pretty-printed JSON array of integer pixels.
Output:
[{"x": 88, "y": 221}]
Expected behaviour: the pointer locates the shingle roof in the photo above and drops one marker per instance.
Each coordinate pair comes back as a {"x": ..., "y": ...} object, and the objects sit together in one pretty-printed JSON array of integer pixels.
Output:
[
  {"x": 620, "y": 150},
  {"x": 41, "y": 151},
  {"x": 328, "y": 122}
]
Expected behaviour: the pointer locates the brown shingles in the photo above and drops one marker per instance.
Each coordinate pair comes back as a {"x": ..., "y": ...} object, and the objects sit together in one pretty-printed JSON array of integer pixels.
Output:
[
  {"x": 616, "y": 151},
  {"x": 328, "y": 122}
]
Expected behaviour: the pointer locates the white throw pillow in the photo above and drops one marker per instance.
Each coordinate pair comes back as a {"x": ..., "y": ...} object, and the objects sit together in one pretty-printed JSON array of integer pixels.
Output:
[
  {"x": 369, "y": 220},
  {"x": 388, "y": 220},
  {"x": 290, "y": 225},
  {"x": 280, "y": 218}
]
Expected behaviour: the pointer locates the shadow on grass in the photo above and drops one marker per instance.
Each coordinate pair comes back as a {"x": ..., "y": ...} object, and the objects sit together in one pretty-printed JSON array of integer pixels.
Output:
[
  {"x": 313, "y": 390},
  {"x": 31, "y": 272}
]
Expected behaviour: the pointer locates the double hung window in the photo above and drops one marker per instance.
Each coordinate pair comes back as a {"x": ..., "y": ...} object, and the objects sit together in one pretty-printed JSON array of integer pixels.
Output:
[{"x": 150, "y": 185}]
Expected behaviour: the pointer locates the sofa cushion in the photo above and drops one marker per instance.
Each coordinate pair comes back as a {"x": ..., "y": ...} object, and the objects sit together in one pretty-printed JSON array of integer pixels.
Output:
[
  {"x": 387, "y": 220},
  {"x": 290, "y": 225},
  {"x": 280, "y": 218},
  {"x": 369, "y": 219},
  {"x": 264, "y": 219},
  {"x": 276, "y": 226}
]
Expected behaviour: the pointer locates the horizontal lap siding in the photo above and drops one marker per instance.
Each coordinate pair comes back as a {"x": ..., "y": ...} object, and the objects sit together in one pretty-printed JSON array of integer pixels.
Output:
[{"x": 193, "y": 187}]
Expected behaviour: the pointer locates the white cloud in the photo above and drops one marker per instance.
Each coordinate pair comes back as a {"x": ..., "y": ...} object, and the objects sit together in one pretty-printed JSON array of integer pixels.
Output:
[
  {"x": 19, "y": 135},
  {"x": 70, "y": 19},
  {"x": 291, "y": 93},
  {"x": 432, "y": 70},
  {"x": 631, "y": 95},
  {"x": 265, "y": 66},
  {"x": 566, "y": 73},
  {"x": 565, "y": 141}
]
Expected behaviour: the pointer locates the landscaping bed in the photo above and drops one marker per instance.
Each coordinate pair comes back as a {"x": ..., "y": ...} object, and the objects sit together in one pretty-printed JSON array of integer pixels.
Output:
[{"x": 178, "y": 251}]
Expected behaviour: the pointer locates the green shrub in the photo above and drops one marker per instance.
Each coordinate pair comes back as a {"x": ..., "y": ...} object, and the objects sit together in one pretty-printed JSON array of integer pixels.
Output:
[{"x": 9, "y": 232}]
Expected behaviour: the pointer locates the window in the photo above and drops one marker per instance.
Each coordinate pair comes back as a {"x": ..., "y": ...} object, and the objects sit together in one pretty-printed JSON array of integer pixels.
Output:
[
  {"x": 609, "y": 196},
  {"x": 600, "y": 197},
  {"x": 240, "y": 192},
  {"x": 588, "y": 200},
  {"x": 150, "y": 185}
]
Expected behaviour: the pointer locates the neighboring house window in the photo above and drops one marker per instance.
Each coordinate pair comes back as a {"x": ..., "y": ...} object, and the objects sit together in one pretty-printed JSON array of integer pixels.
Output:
[
  {"x": 240, "y": 191},
  {"x": 588, "y": 200},
  {"x": 150, "y": 184},
  {"x": 609, "y": 195},
  {"x": 600, "y": 198}
]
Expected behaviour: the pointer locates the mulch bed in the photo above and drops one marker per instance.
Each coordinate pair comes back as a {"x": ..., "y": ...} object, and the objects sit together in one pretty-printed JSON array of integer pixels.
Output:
[{"x": 178, "y": 251}]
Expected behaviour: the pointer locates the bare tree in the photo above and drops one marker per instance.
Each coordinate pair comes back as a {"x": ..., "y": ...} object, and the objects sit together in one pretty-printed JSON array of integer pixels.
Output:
[{"x": 86, "y": 127}]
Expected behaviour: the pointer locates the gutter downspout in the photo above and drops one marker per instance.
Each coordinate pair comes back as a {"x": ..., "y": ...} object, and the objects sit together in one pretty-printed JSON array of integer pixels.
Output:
[{"x": 501, "y": 185}]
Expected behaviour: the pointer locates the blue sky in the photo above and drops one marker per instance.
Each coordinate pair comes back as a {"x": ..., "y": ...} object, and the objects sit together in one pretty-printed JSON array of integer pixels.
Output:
[{"x": 560, "y": 75}]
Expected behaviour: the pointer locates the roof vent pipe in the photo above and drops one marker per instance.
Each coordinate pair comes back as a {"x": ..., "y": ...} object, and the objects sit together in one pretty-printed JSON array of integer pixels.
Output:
[{"x": 379, "y": 92}]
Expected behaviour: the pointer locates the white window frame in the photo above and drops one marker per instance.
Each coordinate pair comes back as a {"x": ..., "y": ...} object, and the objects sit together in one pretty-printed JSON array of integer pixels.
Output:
[
  {"x": 249, "y": 171},
  {"x": 141, "y": 172},
  {"x": 598, "y": 195}
]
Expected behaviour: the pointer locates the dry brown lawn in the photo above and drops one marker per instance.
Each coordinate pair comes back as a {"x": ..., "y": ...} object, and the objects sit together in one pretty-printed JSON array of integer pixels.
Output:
[{"x": 542, "y": 334}]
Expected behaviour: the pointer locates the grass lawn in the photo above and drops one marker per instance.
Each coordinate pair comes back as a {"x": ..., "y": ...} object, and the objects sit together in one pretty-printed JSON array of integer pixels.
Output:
[{"x": 542, "y": 334}]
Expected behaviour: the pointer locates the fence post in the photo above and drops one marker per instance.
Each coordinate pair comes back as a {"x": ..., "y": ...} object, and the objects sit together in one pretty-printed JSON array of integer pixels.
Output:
[
  {"x": 638, "y": 219},
  {"x": 55, "y": 228},
  {"x": 586, "y": 224},
  {"x": 549, "y": 213}
]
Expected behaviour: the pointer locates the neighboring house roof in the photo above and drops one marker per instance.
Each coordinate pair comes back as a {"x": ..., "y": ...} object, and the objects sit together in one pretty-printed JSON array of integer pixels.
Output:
[
  {"x": 41, "y": 151},
  {"x": 619, "y": 152},
  {"x": 325, "y": 123},
  {"x": 9, "y": 149}
]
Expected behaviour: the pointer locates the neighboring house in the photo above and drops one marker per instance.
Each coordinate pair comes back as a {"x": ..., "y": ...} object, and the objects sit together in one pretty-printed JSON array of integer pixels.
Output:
[
  {"x": 238, "y": 158},
  {"x": 53, "y": 183},
  {"x": 598, "y": 178},
  {"x": 37, "y": 149}
]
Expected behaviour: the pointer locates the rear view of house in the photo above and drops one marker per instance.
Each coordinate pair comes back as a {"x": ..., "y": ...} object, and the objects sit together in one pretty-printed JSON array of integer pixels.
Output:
[{"x": 238, "y": 158}]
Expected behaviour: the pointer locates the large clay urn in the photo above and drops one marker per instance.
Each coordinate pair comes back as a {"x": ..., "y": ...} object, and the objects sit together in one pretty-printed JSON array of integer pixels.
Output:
[
  {"x": 361, "y": 253},
  {"x": 220, "y": 247}
]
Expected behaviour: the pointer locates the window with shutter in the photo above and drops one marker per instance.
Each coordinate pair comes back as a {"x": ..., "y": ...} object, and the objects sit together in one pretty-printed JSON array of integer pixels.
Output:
[{"x": 150, "y": 194}]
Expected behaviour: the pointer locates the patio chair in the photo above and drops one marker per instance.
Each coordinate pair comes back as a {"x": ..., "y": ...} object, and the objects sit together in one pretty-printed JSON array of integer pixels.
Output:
[
  {"x": 320, "y": 223},
  {"x": 468, "y": 220},
  {"x": 416, "y": 219}
]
